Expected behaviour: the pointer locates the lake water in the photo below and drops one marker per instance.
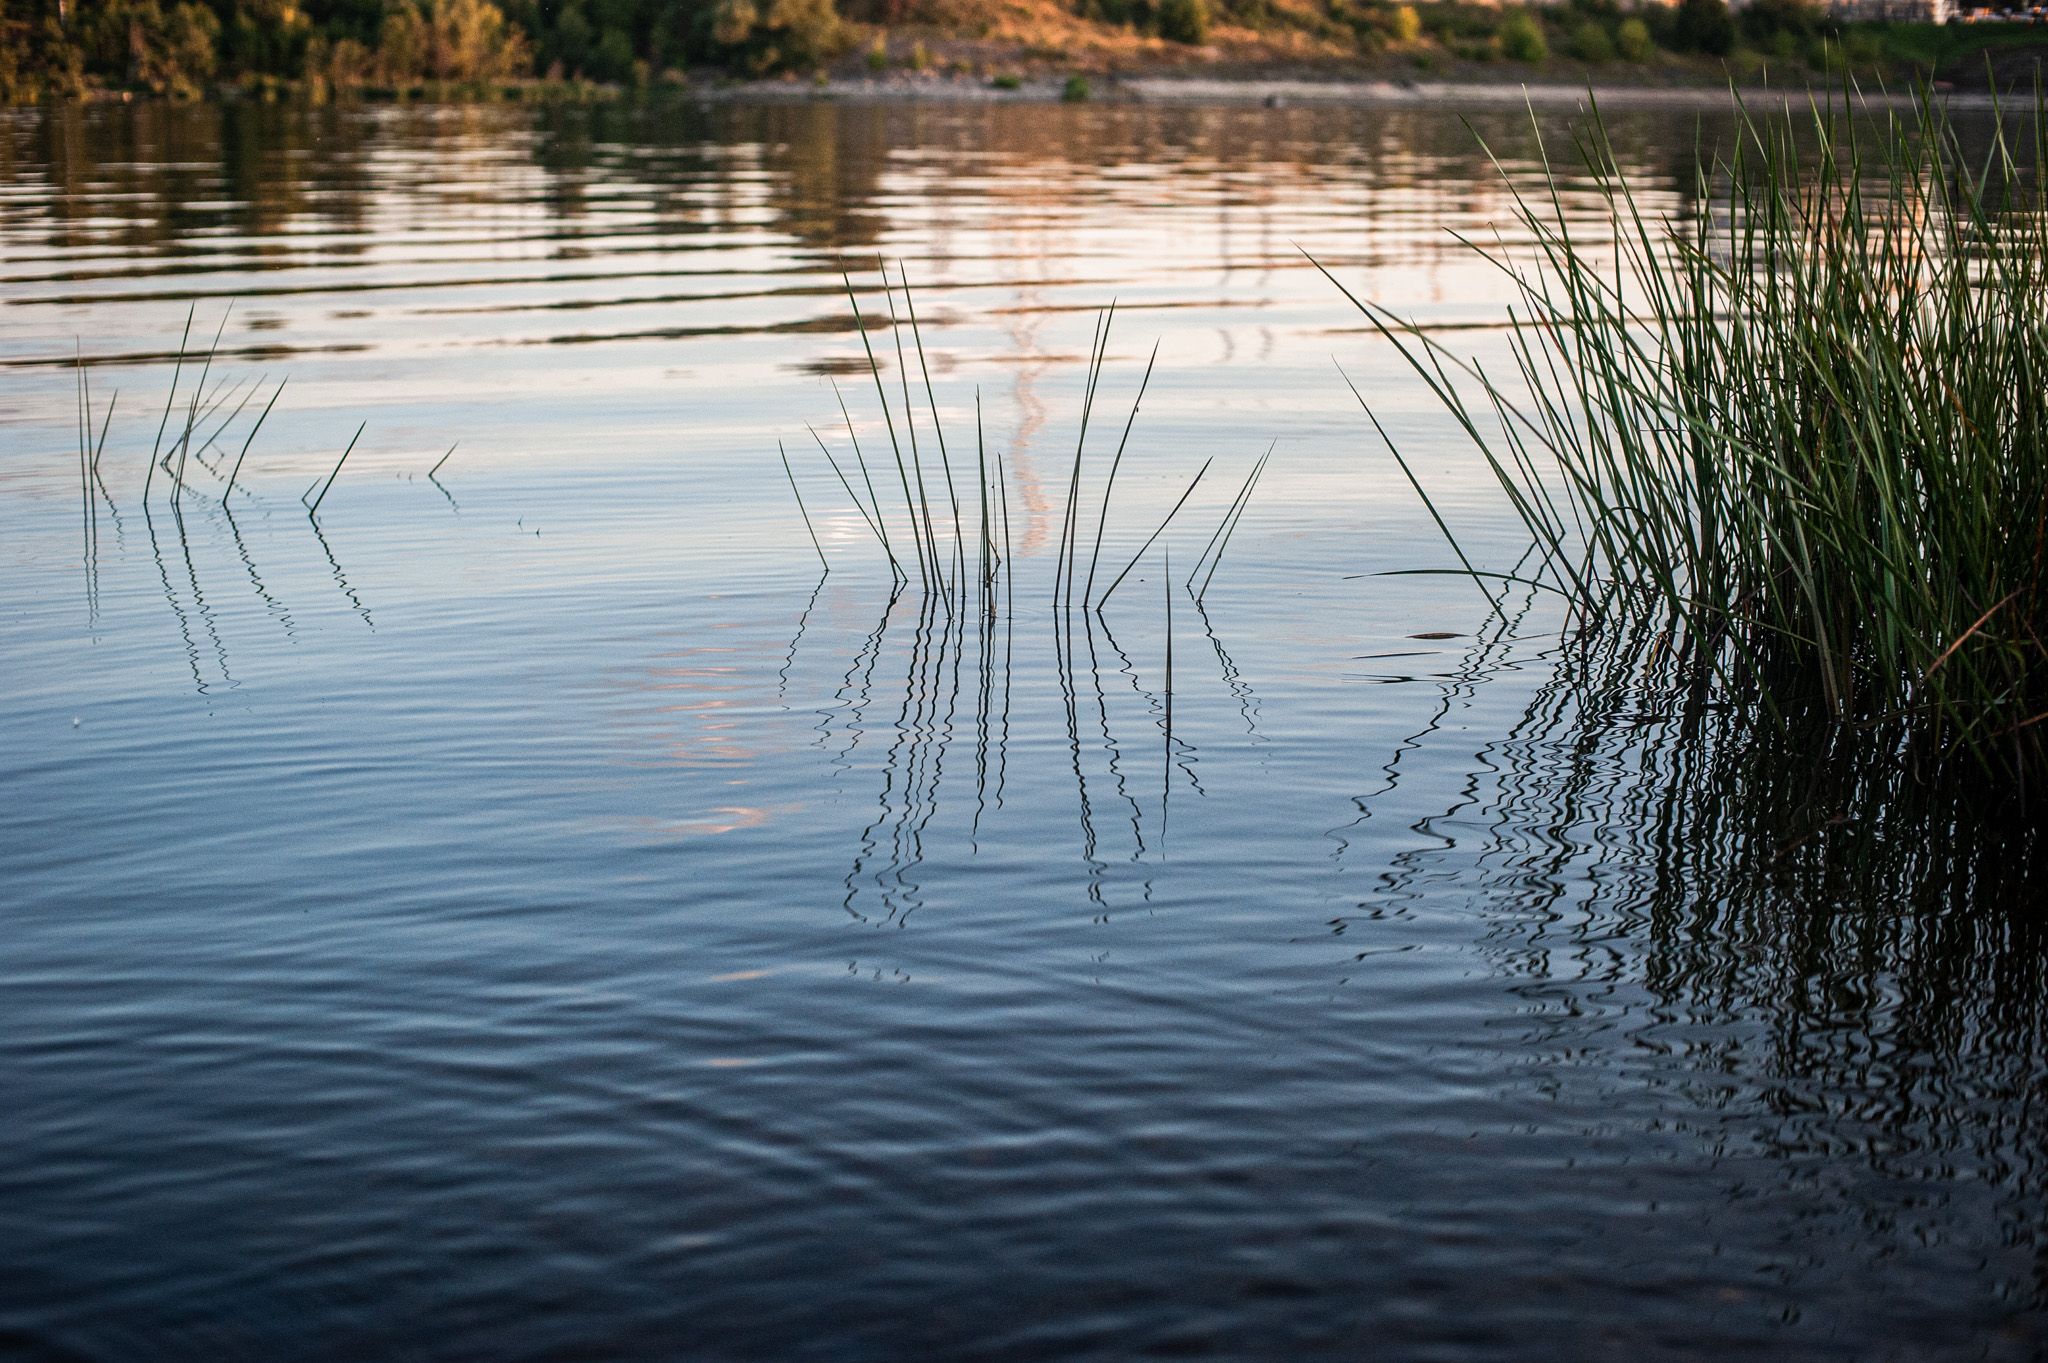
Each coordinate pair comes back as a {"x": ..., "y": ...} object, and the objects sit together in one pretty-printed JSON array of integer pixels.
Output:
[{"x": 532, "y": 912}]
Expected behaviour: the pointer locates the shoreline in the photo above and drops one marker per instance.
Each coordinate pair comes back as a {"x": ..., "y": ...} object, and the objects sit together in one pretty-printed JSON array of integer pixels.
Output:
[
  {"x": 1273, "y": 92},
  {"x": 1282, "y": 93}
]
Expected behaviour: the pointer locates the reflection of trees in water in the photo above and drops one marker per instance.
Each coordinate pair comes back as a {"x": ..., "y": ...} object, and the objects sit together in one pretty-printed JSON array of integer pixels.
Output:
[
  {"x": 155, "y": 176},
  {"x": 168, "y": 170},
  {"x": 1826, "y": 956},
  {"x": 826, "y": 168},
  {"x": 1024, "y": 206},
  {"x": 808, "y": 170},
  {"x": 822, "y": 173}
]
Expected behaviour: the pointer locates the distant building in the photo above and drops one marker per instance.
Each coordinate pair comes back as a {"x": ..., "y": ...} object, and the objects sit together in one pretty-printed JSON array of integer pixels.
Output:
[
  {"x": 1898, "y": 11},
  {"x": 1978, "y": 13}
]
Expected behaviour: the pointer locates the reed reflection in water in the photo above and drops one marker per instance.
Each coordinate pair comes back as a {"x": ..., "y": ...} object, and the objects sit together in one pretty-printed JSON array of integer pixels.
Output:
[
  {"x": 933, "y": 691},
  {"x": 1814, "y": 958},
  {"x": 1763, "y": 990}
]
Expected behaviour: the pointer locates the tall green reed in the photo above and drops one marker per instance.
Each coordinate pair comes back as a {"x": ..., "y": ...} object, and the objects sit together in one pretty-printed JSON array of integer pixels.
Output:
[
  {"x": 931, "y": 515},
  {"x": 1802, "y": 430}
]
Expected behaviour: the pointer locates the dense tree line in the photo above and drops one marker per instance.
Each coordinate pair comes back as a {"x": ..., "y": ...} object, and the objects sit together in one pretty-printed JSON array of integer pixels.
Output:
[{"x": 182, "y": 48}]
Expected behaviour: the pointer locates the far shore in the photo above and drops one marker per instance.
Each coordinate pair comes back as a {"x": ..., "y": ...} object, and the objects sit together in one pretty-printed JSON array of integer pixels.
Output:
[
  {"x": 1240, "y": 87},
  {"x": 1281, "y": 93}
]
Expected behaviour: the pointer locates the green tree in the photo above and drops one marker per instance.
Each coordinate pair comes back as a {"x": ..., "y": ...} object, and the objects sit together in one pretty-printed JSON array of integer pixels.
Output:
[
  {"x": 1703, "y": 26},
  {"x": 1633, "y": 40},
  {"x": 450, "y": 40},
  {"x": 1184, "y": 21},
  {"x": 1521, "y": 38},
  {"x": 140, "y": 44},
  {"x": 793, "y": 35}
]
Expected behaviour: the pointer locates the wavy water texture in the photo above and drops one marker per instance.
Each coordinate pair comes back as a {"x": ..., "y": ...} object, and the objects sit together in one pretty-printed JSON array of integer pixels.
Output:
[{"x": 531, "y": 907}]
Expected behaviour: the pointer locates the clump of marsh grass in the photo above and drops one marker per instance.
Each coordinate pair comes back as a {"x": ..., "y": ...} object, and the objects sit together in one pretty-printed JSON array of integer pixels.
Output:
[
  {"x": 957, "y": 552},
  {"x": 943, "y": 523},
  {"x": 1803, "y": 432}
]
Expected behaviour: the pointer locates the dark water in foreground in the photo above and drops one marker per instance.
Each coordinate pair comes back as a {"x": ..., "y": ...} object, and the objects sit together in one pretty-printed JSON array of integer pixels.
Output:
[{"x": 527, "y": 913}]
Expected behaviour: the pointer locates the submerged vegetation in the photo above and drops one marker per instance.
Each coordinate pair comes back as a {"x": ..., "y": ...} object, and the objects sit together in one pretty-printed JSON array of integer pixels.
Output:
[{"x": 1799, "y": 434}]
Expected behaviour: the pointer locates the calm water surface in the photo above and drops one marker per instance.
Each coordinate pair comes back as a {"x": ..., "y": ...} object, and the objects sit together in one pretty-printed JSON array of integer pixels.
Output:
[{"x": 530, "y": 912}]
